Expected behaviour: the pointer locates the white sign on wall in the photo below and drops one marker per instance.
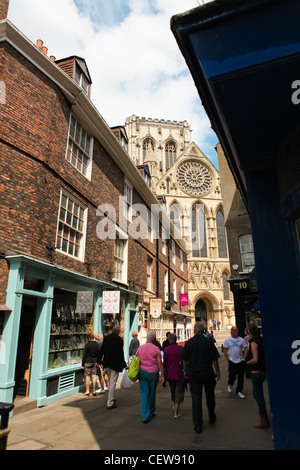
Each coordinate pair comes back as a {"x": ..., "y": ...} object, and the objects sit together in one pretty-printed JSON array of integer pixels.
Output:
[{"x": 111, "y": 301}]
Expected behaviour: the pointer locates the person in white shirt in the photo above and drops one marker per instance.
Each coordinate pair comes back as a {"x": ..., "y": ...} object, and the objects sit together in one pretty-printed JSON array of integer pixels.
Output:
[{"x": 235, "y": 350}]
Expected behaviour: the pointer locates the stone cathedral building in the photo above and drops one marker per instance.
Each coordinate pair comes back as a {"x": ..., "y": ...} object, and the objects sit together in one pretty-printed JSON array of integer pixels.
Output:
[{"x": 190, "y": 186}]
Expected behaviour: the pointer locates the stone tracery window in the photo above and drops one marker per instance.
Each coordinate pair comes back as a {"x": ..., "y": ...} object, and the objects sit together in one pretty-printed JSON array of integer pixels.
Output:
[
  {"x": 194, "y": 178},
  {"x": 170, "y": 154},
  {"x": 199, "y": 240},
  {"x": 148, "y": 148},
  {"x": 221, "y": 233},
  {"x": 225, "y": 286},
  {"x": 175, "y": 216}
]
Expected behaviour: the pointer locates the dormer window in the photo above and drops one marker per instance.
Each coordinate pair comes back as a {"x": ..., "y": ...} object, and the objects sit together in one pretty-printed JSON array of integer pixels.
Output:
[
  {"x": 76, "y": 68},
  {"x": 81, "y": 79}
]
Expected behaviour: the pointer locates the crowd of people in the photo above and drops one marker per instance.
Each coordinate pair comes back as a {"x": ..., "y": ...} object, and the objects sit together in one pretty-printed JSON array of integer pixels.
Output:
[{"x": 195, "y": 365}]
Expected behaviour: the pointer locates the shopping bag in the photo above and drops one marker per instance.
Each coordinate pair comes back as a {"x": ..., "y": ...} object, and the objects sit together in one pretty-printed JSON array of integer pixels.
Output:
[
  {"x": 125, "y": 382},
  {"x": 134, "y": 369}
]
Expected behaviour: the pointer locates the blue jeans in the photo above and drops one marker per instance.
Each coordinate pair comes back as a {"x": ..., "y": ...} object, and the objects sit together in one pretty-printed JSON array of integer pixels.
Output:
[
  {"x": 258, "y": 391},
  {"x": 148, "y": 382}
]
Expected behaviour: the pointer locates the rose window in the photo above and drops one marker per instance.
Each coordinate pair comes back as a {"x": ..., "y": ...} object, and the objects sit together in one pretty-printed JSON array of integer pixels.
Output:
[{"x": 194, "y": 178}]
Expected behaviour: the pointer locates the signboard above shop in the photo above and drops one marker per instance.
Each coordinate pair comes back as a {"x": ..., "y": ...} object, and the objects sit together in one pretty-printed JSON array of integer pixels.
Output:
[
  {"x": 155, "y": 307},
  {"x": 111, "y": 301}
]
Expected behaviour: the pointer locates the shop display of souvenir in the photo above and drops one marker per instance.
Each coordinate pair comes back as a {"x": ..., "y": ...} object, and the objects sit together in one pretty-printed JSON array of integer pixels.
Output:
[{"x": 68, "y": 332}]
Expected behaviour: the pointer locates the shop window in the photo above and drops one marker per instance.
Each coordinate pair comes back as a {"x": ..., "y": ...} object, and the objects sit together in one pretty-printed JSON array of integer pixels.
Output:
[
  {"x": 71, "y": 227},
  {"x": 71, "y": 321},
  {"x": 31, "y": 283}
]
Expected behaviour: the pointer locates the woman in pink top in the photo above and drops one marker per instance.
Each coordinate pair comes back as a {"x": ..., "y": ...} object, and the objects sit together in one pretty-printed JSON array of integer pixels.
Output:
[{"x": 150, "y": 366}]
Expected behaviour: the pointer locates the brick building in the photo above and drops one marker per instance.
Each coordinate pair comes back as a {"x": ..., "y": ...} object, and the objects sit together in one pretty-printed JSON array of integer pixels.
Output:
[{"x": 69, "y": 232}]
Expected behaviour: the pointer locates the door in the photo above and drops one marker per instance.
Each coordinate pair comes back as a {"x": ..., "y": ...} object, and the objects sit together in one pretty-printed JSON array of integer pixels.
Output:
[{"x": 23, "y": 364}]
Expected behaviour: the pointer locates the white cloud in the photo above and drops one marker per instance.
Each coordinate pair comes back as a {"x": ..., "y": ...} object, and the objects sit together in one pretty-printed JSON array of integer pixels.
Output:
[{"x": 134, "y": 60}]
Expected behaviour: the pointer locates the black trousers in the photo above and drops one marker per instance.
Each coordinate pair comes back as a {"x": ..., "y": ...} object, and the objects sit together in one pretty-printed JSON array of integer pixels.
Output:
[
  {"x": 196, "y": 394},
  {"x": 236, "y": 369}
]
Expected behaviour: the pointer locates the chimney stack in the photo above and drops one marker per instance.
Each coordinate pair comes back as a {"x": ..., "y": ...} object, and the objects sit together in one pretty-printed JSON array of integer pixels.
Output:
[{"x": 4, "y": 4}]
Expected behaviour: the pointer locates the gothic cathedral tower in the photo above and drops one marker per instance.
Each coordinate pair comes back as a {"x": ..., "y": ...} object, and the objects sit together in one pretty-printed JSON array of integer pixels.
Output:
[{"x": 190, "y": 185}]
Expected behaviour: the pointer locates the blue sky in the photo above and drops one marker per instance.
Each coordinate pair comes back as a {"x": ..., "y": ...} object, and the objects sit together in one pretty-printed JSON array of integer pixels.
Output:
[{"x": 133, "y": 58}]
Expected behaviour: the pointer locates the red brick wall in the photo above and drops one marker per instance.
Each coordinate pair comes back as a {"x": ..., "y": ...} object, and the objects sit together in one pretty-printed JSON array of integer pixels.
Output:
[{"x": 33, "y": 168}]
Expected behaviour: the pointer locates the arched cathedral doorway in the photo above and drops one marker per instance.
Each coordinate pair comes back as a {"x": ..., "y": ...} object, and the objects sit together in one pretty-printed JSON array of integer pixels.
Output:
[{"x": 201, "y": 311}]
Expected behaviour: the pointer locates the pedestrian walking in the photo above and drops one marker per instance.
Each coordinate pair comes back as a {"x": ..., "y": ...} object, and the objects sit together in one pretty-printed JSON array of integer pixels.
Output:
[
  {"x": 112, "y": 355},
  {"x": 256, "y": 361},
  {"x": 166, "y": 342},
  {"x": 103, "y": 379},
  {"x": 89, "y": 363},
  {"x": 134, "y": 346},
  {"x": 173, "y": 370},
  {"x": 235, "y": 351},
  {"x": 201, "y": 369},
  {"x": 150, "y": 366}
]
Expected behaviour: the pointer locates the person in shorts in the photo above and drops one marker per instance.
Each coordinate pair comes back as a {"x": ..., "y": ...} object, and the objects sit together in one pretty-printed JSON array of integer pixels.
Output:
[{"x": 89, "y": 363}]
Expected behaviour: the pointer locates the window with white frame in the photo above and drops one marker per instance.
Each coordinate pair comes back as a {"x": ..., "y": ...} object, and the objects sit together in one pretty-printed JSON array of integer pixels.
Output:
[
  {"x": 166, "y": 286},
  {"x": 175, "y": 290},
  {"x": 81, "y": 79},
  {"x": 79, "y": 148},
  {"x": 163, "y": 241},
  {"x": 71, "y": 228},
  {"x": 181, "y": 260},
  {"x": 173, "y": 252},
  {"x": 149, "y": 274},
  {"x": 247, "y": 252},
  {"x": 127, "y": 201},
  {"x": 120, "y": 258},
  {"x": 149, "y": 225}
]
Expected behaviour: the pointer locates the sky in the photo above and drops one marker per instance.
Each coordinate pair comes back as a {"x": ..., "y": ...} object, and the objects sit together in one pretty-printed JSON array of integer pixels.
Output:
[{"x": 132, "y": 55}]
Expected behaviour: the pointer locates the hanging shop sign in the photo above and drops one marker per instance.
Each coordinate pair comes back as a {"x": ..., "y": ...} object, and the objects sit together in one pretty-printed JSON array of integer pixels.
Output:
[
  {"x": 155, "y": 307},
  {"x": 184, "y": 299},
  {"x": 85, "y": 302},
  {"x": 147, "y": 296},
  {"x": 111, "y": 301}
]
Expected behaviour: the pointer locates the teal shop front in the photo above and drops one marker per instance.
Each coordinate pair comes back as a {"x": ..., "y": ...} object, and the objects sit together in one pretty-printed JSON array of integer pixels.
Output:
[{"x": 44, "y": 334}]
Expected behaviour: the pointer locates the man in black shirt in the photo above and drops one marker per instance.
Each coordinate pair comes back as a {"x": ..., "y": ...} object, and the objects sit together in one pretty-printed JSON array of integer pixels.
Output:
[
  {"x": 112, "y": 355},
  {"x": 201, "y": 368}
]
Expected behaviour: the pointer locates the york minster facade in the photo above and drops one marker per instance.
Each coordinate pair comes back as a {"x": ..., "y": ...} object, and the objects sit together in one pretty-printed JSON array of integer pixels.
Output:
[{"x": 189, "y": 184}]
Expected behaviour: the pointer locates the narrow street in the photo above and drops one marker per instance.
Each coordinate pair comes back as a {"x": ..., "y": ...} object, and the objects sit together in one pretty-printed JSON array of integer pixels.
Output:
[{"x": 83, "y": 423}]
